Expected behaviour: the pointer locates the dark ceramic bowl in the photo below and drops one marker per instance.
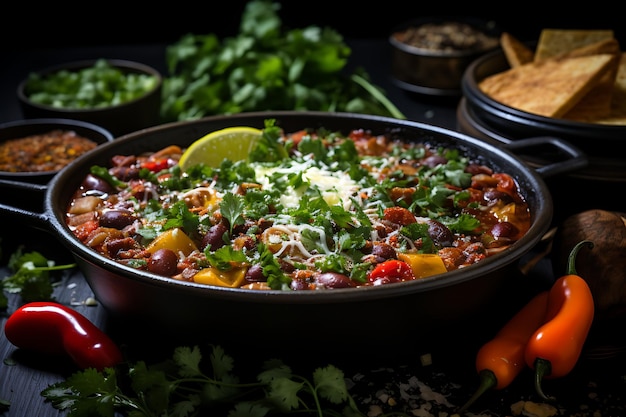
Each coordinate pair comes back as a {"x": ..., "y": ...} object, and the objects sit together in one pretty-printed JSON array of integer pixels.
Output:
[
  {"x": 28, "y": 127},
  {"x": 434, "y": 68},
  {"x": 139, "y": 113}
]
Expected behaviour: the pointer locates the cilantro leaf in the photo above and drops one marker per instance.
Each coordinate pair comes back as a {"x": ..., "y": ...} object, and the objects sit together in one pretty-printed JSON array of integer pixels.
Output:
[
  {"x": 232, "y": 207},
  {"x": 31, "y": 277},
  {"x": 330, "y": 384},
  {"x": 181, "y": 387}
]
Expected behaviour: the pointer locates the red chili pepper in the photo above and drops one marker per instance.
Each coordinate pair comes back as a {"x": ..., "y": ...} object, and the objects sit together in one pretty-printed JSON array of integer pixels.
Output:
[
  {"x": 55, "y": 329},
  {"x": 391, "y": 271},
  {"x": 553, "y": 350},
  {"x": 156, "y": 166},
  {"x": 501, "y": 359}
]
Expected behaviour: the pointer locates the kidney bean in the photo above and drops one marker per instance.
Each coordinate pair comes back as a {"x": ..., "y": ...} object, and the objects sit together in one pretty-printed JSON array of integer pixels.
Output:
[
  {"x": 434, "y": 160},
  {"x": 383, "y": 251},
  {"x": 114, "y": 246},
  {"x": 439, "y": 233},
  {"x": 91, "y": 182},
  {"x": 504, "y": 230},
  {"x": 215, "y": 236},
  {"x": 255, "y": 274},
  {"x": 334, "y": 280},
  {"x": 163, "y": 262},
  {"x": 299, "y": 285},
  {"x": 492, "y": 196},
  {"x": 125, "y": 173},
  {"x": 117, "y": 219}
]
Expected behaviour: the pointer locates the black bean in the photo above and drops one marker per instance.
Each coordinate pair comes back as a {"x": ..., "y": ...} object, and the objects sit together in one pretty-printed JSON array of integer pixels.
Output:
[
  {"x": 117, "y": 219},
  {"x": 163, "y": 262}
]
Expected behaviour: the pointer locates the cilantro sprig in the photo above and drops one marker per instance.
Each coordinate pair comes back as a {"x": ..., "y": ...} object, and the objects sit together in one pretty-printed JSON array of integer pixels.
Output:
[
  {"x": 31, "y": 277},
  {"x": 188, "y": 385}
]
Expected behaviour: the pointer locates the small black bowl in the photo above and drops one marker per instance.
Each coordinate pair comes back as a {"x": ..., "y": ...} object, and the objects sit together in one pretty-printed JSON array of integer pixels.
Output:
[
  {"x": 28, "y": 127},
  {"x": 438, "y": 72},
  {"x": 121, "y": 119}
]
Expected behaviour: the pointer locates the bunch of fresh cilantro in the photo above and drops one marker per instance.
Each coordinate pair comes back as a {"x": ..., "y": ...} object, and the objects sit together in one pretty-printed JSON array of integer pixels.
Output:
[
  {"x": 265, "y": 67},
  {"x": 187, "y": 386}
]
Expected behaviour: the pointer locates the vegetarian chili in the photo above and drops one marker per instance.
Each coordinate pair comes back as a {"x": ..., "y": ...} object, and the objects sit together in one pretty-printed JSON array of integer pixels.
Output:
[
  {"x": 327, "y": 211},
  {"x": 44, "y": 152}
]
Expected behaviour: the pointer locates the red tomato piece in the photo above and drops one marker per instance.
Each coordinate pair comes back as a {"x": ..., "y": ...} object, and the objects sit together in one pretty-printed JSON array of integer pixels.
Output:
[{"x": 391, "y": 271}]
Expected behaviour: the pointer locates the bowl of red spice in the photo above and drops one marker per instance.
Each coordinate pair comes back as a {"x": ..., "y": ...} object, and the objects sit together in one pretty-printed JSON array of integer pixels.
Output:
[{"x": 34, "y": 150}]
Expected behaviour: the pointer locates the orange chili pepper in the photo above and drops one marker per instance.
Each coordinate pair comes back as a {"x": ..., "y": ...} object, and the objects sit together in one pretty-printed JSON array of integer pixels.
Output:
[
  {"x": 555, "y": 347},
  {"x": 501, "y": 359}
]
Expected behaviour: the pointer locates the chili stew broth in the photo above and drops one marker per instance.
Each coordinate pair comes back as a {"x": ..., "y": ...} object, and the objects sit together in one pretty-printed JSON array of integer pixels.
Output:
[{"x": 308, "y": 210}]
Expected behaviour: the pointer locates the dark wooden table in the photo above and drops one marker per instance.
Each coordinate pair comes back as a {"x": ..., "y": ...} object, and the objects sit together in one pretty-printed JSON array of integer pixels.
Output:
[{"x": 596, "y": 385}]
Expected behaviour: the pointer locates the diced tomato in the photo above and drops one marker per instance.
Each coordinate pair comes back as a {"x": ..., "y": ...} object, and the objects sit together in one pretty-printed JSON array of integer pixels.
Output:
[
  {"x": 84, "y": 230},
  {"x": 506, "y": 183},
  {"x": 156, "y": 166},
  {"x": 391, "y": 271},
  {"x": 399, "y": 215}
]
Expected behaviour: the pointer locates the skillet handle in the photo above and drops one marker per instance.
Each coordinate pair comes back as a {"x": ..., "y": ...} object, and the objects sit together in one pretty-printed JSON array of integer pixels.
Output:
[
  {"x": 578, "y": 159},
  {"x": 38, "y": 220}
]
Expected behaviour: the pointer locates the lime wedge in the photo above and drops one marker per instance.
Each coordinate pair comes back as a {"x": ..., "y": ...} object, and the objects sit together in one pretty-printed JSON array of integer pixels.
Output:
[{"x": 233, "y": 143}]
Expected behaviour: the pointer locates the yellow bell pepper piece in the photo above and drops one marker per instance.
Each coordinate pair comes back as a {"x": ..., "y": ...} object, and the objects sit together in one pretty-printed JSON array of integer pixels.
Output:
[
  {"x": 423, "y": 264},
  {"x": 232, "y": 278},
  {"x": 174, "y": 239}
]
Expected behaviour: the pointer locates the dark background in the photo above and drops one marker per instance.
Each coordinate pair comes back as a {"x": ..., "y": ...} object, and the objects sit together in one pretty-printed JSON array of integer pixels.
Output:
[{"x": 55, "y": 25}]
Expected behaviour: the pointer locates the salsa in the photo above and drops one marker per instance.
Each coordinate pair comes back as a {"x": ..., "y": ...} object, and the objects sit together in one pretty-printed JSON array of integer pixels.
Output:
[
  {"x": 44, "y": 152},
  {"x": 308, "y": 210}
]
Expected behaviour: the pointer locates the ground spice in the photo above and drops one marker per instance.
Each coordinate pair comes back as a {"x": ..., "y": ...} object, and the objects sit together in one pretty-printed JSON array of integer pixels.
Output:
[
  {"x": 44, "y": 152},
  {"x": 447, "y": 37}
]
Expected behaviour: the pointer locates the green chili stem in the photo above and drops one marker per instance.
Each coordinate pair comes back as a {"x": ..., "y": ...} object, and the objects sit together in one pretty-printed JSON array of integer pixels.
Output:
[
  {"x": 542, "y": 368},
  {"x": 571, "y": 260},
  {"x": 488, "y": 380}
]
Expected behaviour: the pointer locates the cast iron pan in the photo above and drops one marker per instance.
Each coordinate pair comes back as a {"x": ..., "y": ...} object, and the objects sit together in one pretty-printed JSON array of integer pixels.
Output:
[{"x": 347, "y": 321}]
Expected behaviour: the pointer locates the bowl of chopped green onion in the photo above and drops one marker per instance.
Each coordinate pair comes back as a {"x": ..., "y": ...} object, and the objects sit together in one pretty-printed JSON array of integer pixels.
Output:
[{"x": 121, "y": 96}]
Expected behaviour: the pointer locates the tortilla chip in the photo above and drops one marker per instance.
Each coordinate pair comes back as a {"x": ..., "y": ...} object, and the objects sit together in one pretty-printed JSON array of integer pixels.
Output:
[
  {"x": 549, "y": 88},
  {"x": 617, "y": 115},
  {"x": 597, "y": 103},
  {"x": 515, "y": 51},
  {"x": 553, "y": 42}
]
